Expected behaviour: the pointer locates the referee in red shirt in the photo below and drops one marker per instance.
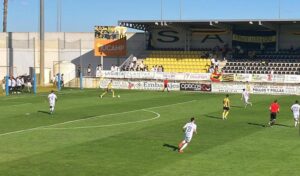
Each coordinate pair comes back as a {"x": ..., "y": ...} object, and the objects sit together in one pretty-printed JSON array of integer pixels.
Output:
[
  {"x": 166, "y": 85},
  {"x": 274, "y": 109}
]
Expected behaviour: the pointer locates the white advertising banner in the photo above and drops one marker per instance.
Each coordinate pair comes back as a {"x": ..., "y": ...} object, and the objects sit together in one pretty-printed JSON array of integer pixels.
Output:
[
  {"x": 157, "y": 75},
  {"x": 256, "y": 78},
  {"x": 256, "y": 88},
  {"x": 261, "y": 78},
  {"x": 228, "y": 87},
  {"x": 243, "y": 77},
  {"x": 274, "y": 89},
  {"x": 292, "y": 79},
  {"x": 138, "y": 85}
]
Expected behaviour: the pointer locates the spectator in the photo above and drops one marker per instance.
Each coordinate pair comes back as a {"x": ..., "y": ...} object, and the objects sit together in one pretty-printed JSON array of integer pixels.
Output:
[
  {"x": 270, "y": 76},
  {"x": 117, "y": 69},
  {"x": 153, "y": 69},
  {"x": 56, "y": 79},
  {"x": 28, "y": 85},
  {"x": 10, "y": 85},
  {"x": 113, "y": 68},
  {"x": 13, "y": 85},
  {"x": 98, "y": 70},
  {"x": 131, "y": 66},
  {"x": 22, "y": 82},
  {"x": 89, "y": 70},
  {"x": 159, "y": 69},
  {"x": 62, "y": 82},
  {"x": 216, "y": 63},
  {"x": 78, "y": 70},
  {"x": 18, "y": 85},
  {"x": 146, "y": 68},
  {"x": 213, "y": 61},
  {"x": 142, "y": 66},
  {"x": 134, "y": 60},
  {"x": 211, "y": 69}
]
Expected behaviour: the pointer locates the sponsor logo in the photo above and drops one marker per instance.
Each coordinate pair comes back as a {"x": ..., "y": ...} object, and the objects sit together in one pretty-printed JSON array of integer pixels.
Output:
[{"x": 195, "y": 87}]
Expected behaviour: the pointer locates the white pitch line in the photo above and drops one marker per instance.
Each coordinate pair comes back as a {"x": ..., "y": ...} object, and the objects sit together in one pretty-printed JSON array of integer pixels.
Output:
[
  {"x": 72, "y": 121},
  {"x": 110, "y": 125},
  {"x": 15, "y": 105}
]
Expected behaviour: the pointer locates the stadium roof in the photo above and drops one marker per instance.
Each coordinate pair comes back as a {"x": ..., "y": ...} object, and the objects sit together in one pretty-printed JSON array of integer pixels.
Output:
[{"x": 246, "y": 24}]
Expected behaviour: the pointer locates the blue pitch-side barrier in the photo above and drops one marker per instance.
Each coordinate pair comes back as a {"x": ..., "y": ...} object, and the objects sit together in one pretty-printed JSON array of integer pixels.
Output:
[
  {"x": 6, "y": 85},
  {"x": 81, "y": 87},
  {"x": 34, "y": 83}
]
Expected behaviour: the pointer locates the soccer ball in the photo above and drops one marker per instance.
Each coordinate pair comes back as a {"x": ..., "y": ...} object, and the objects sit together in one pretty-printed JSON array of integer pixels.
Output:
[{"x": 119, "y": 96}]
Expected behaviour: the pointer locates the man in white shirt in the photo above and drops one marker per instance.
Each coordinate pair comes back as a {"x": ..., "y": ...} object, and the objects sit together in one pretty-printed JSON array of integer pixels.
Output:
[
  {"x": 295, "y": 109},
  {"x": 131, "y": 66},
  {"x": 142, "y": 66},
  {"x": 98, "y": 70},
  {"x": 89, "y": 70},
  {"x": 245, "y": 97},
  {"x": 189, "y": 129},
  {"x": 134, "y": 60},
  {"x": 19, "y": 85},
  {"x": 213, "y": 62},
  {"x": 10, "y": 85},
  {"x": 52, "y": 99}
]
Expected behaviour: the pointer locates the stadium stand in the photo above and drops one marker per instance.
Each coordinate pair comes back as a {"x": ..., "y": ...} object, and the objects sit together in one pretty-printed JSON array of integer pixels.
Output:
[
  {"x": 282, "y": 62},
  {"x": 179, "y": 61}
]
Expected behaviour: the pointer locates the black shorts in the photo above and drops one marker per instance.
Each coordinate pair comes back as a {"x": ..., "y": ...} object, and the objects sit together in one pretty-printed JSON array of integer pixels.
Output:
[
  {"x": 273, "y": 115},
  {"x": 226, "y": 108}
]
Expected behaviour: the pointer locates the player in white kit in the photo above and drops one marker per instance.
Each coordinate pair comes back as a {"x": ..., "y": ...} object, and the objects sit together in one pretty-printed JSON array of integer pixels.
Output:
[
  {"x": 189, "y": 129},
  {"x": 52, "y": 99},
  {"x": 295, "y": 109},
  {"x": 245, "y": 97}
]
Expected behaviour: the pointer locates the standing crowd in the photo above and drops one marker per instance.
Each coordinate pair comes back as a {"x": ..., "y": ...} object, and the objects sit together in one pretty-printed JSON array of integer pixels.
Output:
[{"x": 17, "y": 85}]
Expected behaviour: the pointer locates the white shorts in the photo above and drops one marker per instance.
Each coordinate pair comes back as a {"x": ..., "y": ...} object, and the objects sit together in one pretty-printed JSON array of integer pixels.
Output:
[
  {"x": 187, "y": 139},
  {"x": 296, "y": 116},
  {"x": 52, "y": 104},
  {"x": 246, "y": 100}
]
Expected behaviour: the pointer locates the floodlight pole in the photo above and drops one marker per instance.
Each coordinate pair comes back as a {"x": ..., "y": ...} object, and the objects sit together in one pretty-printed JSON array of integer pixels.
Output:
[
  {"x": 161, "y": 10},
  {"x": 279, "y": 9},
  {"x": 42, "y": 43},
  {"x": 180, "y": 9},
  {"x": 58, "y": 16}
]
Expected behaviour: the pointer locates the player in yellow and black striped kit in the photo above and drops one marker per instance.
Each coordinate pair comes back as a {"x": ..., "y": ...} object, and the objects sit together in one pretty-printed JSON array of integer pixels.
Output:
[{"x": 226, "y": 107}]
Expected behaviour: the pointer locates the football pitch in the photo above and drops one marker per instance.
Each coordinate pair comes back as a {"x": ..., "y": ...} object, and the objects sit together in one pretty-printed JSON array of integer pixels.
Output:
[{"x": 138, "y": 133}]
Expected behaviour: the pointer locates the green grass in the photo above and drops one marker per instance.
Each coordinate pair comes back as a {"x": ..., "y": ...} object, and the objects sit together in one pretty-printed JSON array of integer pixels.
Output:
[{"x": 137, "y": 133}]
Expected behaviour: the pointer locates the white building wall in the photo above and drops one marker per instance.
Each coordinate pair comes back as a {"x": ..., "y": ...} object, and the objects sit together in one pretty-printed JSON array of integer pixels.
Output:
[{"x": 58, "y": 47}]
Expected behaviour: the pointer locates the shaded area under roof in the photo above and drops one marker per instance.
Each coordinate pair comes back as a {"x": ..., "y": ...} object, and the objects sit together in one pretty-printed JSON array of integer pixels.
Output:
[{"x": 239, "y": 24}]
